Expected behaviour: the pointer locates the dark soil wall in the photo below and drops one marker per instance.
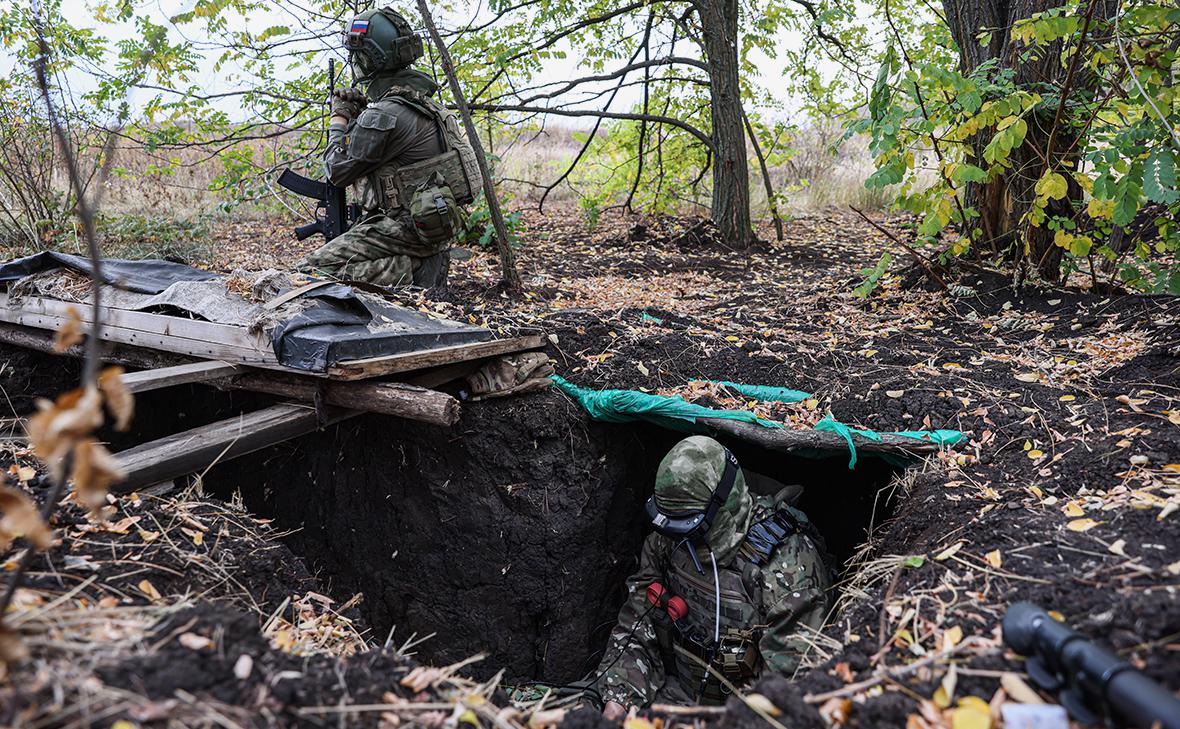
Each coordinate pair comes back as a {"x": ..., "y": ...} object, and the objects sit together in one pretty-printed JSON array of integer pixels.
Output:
[{"x": 509, "y": 533}]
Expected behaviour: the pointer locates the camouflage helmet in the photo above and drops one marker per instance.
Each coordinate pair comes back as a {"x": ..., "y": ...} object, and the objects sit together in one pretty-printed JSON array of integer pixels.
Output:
[
  {"x": 685, "y": 480},
  {"x": 381, "y": 40}
]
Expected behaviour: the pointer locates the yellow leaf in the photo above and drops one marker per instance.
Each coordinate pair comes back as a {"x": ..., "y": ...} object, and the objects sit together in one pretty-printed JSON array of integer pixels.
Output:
[
  {"x": 971, "y": 713},
  {"x": 124, "y": 724},
  {"x": 1081, "y": 525},
  {"x": 26, "y": 473},
  {"x": 731, "y": 338},
  {"x": 1026, "y": 376},
  {"x": 1174, "y": 467},
  {"x": 811, "y": 404},
  {"x": 638, "y": 723},
  {"x": 1067, "y": 398},
  {"x": 149, "y": 589},
  {"x": 952, "y": 637},
  {"x": 948, "y": 552},
  {"x": 1072, "y": 509},
  {"x": 1036, "y": 491},
  {"x": 1035, "y": 454},
  {"x": 952, "y": 366},
  {"x": 148, "y": 536},
  {"x": 994, "y": 558},
  {"x": 869, "y": 352},
  {"x": 469, "y": 717}
]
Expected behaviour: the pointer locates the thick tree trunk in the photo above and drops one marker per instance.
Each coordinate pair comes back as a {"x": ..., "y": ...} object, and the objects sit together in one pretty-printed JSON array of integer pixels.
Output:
[
  {"x": 1003, "y": 203},
  {"x": 731, "y": 176}
]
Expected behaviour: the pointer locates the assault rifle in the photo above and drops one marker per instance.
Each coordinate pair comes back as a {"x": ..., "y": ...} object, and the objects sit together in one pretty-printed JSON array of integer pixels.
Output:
[
  {"x": 338, "y": 215},
  {"x": 1088, "y": 679}
]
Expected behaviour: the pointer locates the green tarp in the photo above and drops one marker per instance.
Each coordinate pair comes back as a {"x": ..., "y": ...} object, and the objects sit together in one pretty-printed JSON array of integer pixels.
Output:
[{"x": 623, "y": 406}]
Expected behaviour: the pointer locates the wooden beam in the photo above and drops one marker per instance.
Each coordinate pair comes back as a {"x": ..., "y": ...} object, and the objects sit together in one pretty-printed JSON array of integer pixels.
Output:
[
  {"x": 377, "y": 366},
  {"x": 193, "y": 451},
  {"x": 388, "y": 398},
  {"x": 155, "y": 379},
  {"x": 786, "y": 440}
]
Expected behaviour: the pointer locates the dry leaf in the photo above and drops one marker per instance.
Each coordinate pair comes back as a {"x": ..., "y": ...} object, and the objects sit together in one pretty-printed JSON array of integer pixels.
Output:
[
  {"x": 1081, "y": 525},
  {"x": 637, "y": 722},
  {"x": 1119, "y": 547},
  {"x": 948, "y": 552},
  {"x": 763, "y": 705},
  {"x": 971, "y": 713},
  {"x": 194, "y": 641},
  {"x": 95, "y": 469},
  {"x": 148, "y": 536},
  {"x": 26, "y": 473},
  {"x": 19, "y": 517},
  {"x": 1026, "y": 376},
  {"x": 894, "y": 393},
  {"x": 12, "y": 649},
  {"x": 70, "y": 332},
  {"x": 1035, "y": 454},
  {"x": 945, "y": 693},
  {"x": 149, "y": 589},
  {"x": 1018, "y": 690},
  {"x": 951, "y": 637},
  {"x": 836, "y": 711},
  {"x": 994, "y": 559},
  {"x": 59, "y": 425},
  {"x": 844, "y": 671},
  {"x": 119, "y": 401},
  {"x": 1072, "y": 509}
]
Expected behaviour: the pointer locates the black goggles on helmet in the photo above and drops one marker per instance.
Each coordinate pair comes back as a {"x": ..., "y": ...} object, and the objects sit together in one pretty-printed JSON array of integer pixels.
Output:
[{"x": 692, "y": 525}]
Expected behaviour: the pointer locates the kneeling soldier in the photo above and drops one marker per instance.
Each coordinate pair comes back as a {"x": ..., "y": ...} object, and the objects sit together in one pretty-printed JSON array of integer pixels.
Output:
[
  {"x": 405, "y": 156},
  {"x": 726, "y": 581}
]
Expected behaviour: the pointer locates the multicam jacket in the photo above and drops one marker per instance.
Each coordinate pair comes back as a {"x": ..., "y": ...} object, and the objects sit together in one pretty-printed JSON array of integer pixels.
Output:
[{"x": 771, "y": 605}]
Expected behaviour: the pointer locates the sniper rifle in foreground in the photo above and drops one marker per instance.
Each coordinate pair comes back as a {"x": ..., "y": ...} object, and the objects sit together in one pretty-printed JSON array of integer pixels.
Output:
[
  {"x": 337, "y": 215},
  {"x": 1087, "y": 678}
]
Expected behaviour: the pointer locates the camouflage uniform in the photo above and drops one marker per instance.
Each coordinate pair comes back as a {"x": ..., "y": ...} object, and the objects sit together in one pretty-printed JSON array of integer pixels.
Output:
[
  {"x": 763, "y": 606},
  {"x": 383, "y": 247}
]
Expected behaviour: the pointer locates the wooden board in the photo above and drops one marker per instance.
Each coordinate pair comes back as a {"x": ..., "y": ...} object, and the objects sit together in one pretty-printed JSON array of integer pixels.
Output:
[
  {"x": 155, "y": 379},
  {"x": 196, "y": 338},
  {"x": 379, "y": 366},
  {"x": 195, "y": 450}
]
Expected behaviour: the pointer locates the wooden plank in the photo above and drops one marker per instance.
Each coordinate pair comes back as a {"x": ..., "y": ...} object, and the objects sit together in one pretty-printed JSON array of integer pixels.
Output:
[
  {"x": 156, "y": 379},
  {"x": 231, "y": 335},
  {"x": 195, "y": 450},
  {"x": 379, "y": 366},
  {"x": 149, "y": 340}
]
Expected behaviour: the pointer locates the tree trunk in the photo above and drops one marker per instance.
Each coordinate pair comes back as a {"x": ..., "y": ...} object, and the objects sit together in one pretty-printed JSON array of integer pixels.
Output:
[
  {"x": 731, "y": 176},
  {"x": 1002, "y": 203}
]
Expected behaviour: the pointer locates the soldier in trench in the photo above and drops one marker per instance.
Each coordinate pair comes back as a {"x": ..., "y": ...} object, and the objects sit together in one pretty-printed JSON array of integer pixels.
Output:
[
  {"x": 405, "y": 156},
  {"x": 726, "y": 581}
]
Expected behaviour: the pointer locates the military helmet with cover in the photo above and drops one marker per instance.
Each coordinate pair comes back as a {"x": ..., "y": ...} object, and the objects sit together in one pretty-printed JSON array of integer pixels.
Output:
[
  {"x": 381, "y": 40},
  {"x": 685, "y": 481}
]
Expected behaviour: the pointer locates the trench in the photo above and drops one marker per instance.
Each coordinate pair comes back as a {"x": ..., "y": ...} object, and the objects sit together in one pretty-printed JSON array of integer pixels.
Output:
[{"x": 509, "y": 534}]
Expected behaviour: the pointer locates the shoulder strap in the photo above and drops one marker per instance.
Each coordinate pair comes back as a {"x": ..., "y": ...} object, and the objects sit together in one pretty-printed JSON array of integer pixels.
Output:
[{"x": 764, "y": 536}]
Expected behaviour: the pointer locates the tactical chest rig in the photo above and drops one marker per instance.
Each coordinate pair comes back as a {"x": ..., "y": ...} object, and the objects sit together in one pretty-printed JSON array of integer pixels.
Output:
[
  {"x": 736, "y": 655},
  {"x": 431, "y": 190}
]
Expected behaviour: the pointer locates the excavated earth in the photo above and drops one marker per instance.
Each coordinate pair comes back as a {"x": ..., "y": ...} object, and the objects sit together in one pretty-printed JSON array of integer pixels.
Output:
[{"x": 510, "y": 533}]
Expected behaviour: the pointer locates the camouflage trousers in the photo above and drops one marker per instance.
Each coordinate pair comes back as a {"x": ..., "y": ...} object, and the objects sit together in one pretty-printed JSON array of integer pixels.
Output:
[{"x": 381, "y": 250}]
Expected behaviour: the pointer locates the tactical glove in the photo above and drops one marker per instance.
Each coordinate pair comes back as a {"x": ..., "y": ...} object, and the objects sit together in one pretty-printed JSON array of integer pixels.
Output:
[{"x": 348, "y": 102}]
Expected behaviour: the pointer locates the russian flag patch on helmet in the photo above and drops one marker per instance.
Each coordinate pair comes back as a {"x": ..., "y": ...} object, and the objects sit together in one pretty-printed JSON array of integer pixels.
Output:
[{"x": 359, "y": 26}]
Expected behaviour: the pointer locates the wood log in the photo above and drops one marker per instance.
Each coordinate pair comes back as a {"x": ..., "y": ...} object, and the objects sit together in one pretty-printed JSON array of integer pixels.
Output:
[
  {"x": 194, "y": 451},
  {"x": 789, "y": 441},
  {"x": 388, "y": 398}
]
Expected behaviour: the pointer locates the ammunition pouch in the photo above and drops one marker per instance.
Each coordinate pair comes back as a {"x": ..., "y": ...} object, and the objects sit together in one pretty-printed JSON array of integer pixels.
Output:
[
  {"x": 736, "y": 658},
  {"x": 435, "y": 213}
]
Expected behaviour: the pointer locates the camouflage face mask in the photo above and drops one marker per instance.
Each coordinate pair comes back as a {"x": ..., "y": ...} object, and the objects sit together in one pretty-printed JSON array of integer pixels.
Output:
[{"x": 686, "y": 478}]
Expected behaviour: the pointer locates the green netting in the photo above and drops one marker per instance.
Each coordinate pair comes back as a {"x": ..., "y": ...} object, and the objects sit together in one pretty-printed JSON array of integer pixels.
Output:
[
  {"x": 767, "y": 393},
  {"x": 674, "y": 413}
]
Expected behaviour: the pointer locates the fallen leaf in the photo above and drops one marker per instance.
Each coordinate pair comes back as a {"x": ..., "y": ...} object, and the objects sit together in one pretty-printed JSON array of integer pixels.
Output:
[
  {"x": 945, "y": 693},
  {"x": 1072, "y": 509},
  {"x": 148, "y": 536},
  {"x": 26, "y": 473},
  {"x": 760, "y": 703},
  {"x": 12, "y": 648},
  {"x": 149, "y": 589},
  {"x": 971, "y": 713},
  {"x": 1081, "y": 525},
  {"x": 1119, "y": 547},
  {"x": 951, "y": 638},
  {"x": 95, "y": 469},
  {"x": 1019, "y": 690},
  {"x": 195, "y": 641},
  {"x": 895, "y": 393},
  {"x": 19, "y": 517},
  {"x": 994, "y": 559},
  {"x": 1067, "y": 398},
  {"x": 1035, "y": 454},
  {"x": 1026, "y": 376},
  {"x": 836, "y": 711},
  {"x": 643, "y": 370},
  {"x": 844, "y": 671},
  {"x": 70, "y": 332},
  {"x": 948, "y": 552},
  {"x": 119, "y": 401}
]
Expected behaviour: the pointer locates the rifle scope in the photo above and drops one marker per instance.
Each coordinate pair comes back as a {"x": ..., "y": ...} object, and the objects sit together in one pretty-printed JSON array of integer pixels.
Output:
[{"x": 1062, "y": 659}]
